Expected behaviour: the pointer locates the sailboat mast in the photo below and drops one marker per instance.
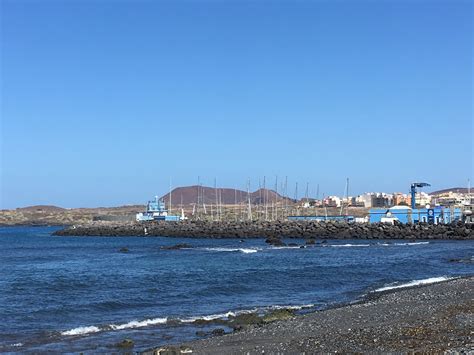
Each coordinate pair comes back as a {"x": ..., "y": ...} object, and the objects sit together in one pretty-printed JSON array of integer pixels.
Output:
[
  {"x": 249, "y": 211},
  {"x": 217, "y": 200},
  {"x": 170, "y": 197},
  {"x": 198, "y": 201},
  {"x": 347, "y": 198},
  {"x": 265, "y": 199},
  {"x": 276, "y": 198},
  {"x": 296, "y": 198},
  {"x": 342, "y": 201}
]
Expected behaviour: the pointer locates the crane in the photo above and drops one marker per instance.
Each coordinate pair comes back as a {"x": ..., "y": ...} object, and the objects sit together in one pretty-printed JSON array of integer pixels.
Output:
[{"x": 414, "y": 185}]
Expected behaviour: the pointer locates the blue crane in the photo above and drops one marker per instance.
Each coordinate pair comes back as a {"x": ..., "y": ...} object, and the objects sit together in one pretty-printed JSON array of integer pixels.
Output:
[{"x": 413, "y": 191}]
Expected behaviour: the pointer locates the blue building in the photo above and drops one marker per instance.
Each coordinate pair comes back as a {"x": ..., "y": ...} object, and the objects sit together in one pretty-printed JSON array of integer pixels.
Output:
[{"x": 404, "y": 214}]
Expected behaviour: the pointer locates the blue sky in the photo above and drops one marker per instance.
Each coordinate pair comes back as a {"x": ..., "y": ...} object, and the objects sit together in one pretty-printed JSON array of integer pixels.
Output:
[{"x": 103, "y": 102}]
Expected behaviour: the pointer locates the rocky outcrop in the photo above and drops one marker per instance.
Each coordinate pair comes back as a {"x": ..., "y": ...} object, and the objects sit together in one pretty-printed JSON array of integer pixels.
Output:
[
  {"x": 177, "y": 246},
  {"x": 273, "y": 231}
]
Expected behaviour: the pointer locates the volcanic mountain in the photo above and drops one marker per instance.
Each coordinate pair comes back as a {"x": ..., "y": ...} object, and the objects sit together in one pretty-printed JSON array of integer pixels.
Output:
[{"x": 190, "y": 195}]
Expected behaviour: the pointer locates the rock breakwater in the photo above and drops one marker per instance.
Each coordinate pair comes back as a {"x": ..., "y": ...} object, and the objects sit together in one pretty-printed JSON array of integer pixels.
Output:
[{"x": 273, "y": 230}]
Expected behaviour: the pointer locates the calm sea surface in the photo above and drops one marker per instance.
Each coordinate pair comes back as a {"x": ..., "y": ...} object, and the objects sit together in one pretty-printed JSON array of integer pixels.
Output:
[{"x": 71, "y": 294}]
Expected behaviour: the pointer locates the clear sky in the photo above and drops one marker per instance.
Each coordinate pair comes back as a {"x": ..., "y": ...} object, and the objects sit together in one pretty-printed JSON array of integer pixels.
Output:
[{"x": 104, "y": 101}]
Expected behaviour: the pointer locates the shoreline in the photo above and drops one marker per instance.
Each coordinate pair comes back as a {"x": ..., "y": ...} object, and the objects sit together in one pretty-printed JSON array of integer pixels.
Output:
[
  {"x": 273, "y": 230},
  {"x": 432, "y": 317}
]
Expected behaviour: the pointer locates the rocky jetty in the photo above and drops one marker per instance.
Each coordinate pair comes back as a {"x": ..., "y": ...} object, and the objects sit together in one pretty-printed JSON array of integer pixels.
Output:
[{"x": 274, "y": 230}]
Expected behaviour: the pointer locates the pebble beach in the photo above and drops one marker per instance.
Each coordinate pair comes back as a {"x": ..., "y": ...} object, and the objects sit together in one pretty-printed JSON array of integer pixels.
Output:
[{"x": 433, "y": 318}]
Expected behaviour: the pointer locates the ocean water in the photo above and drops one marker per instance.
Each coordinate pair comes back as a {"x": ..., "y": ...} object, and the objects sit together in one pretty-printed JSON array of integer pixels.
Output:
[{"x": 81, "y": 294}]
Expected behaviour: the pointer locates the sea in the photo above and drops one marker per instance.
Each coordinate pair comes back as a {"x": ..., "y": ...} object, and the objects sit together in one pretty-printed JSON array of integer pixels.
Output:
[{"x": 86, "y": 294}]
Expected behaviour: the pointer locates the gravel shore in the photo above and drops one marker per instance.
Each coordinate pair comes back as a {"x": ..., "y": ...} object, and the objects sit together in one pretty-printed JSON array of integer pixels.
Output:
[{"x": 432, "y": 318}]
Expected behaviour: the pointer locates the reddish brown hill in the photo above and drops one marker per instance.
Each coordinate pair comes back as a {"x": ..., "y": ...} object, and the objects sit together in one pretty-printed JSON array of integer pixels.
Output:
[{"x": 188, "y": 195}]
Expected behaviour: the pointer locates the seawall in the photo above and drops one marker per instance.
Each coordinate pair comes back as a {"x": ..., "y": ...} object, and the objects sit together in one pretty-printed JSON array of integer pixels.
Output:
[{"x": 274, "y": 229}]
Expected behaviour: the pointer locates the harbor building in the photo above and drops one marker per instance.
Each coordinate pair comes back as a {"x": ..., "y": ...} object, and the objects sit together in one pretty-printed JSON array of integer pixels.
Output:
[
  {"x": 156, "y": 211},
  {"x": 405, "y": 214}
]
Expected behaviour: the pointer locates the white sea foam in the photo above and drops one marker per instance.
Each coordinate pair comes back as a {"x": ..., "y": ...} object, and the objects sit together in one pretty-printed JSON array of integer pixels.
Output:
[
  {"x": 413, "y": 243},
  {"x": 157, "y": 321},
  {"x": 138, "y": 324},
  {"x": 209, "y": 317},
  {"x": 348, "y": 245},
  {"x": 16, "y": 345},
  {"x": 244, "y": 311},
  {"x": 242, "y": 250},
  {"x": 430, "y": 280},
  {"x": 293, "y": 307},
  {"x": 248, "y": 251},
  {"x": 402, "y": 244},
  {"x": 81, "y": 331}
]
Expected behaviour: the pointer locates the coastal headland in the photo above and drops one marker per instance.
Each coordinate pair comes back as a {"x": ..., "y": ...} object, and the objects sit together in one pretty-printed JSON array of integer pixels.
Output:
[
  {"x": 273, "y": 230},
  {"x": 425, "y": 319}
]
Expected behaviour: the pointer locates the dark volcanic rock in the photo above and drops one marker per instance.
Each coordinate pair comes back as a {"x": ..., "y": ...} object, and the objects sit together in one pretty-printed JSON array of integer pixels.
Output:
[
  {"x": 177, "y": 246},
  {"x": 125, "y": 344},
  {"x": 276, "y": 242},
  {"x": 279, "y": 314},
  {"x": 218, "y": 331},
  {"x": 465, "y": 260},
  {"x": 274, "y": 231}
]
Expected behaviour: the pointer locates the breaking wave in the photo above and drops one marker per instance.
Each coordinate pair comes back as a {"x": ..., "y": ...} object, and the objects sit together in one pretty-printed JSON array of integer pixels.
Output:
[
  {"x": 348, "y": 245},
  {"x": 401, "y": 244},
  {"x": 161, "y": 321},
  {"x": 413, "y": 243},
  {"x": 138, "y": 324},
  {"x": 213, "y": 316},
  {"x": 428, "y": 281},
  {"x": 242, "y": 250},
  {"x": 296, "y": 308},
  {"x": 81, "y": 331}
]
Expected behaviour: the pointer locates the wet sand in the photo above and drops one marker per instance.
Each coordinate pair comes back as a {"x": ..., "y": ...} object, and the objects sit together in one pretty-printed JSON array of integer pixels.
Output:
[{"x": 431, "y": 318}]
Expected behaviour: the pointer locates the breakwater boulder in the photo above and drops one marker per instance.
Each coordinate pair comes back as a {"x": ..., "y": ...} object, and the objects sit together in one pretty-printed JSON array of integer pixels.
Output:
[{"x": 273, "y": 231}]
